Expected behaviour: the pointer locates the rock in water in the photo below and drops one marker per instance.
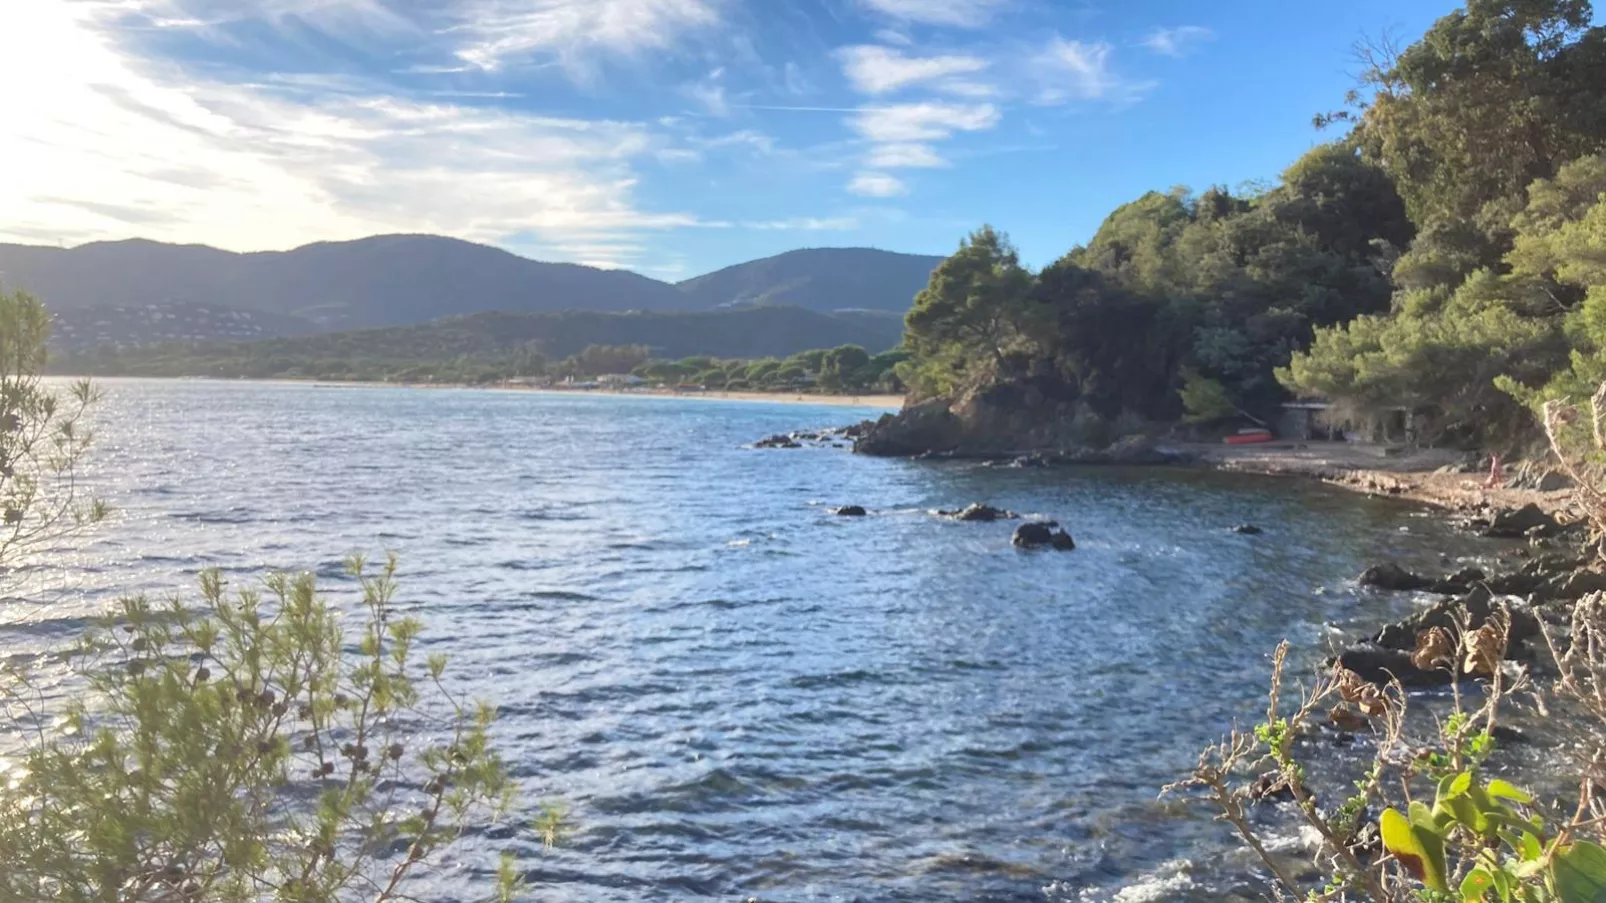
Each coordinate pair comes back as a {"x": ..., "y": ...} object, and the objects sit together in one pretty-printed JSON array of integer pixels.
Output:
[
  {"x": 980, "y": 512},
  {"x": 851, "y": 511},
  {"x": 1393, "y": 577},
  {"x": 1248, "y": 530},
  {"x": 1037, "y": 535},
  {"x": 1379, "y": 666}
]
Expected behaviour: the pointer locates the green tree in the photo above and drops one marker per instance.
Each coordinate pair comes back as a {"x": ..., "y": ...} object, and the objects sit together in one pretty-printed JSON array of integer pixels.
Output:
[
  {"x": 969, "y": 314},
  {"x": 1494, "y": 96},
  {"x": 42, "y": 437},
  {"x": 841, "y": 366},
  {"x": 241, "y": 750},
  {"x": 1205, "y": 400}
]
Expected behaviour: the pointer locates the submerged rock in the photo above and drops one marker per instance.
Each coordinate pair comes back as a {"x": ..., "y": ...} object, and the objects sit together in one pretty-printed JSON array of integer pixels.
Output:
[
  {"x": 1248, "y": 530},
  {"x": 1038, "y": 534},
  {"x": 981, "y": 513},
  {"x": 1391, "y": 576},
  {"x": 779, "y": 440},
  {"x": 851, "y": 511}
]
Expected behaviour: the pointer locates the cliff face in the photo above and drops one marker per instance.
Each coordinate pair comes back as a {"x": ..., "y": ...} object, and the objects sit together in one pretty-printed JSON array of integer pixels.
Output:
[{"x": 995, "y": 421}]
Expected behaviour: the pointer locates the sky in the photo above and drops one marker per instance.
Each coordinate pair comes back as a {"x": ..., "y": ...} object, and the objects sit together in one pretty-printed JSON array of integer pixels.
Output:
[{"x": 669, "y": 137}]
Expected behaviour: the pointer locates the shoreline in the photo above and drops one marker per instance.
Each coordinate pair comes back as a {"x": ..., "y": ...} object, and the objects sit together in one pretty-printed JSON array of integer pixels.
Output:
[
  {"x": 888, "y": 402},
  {"x": 1423, "y": 476}
]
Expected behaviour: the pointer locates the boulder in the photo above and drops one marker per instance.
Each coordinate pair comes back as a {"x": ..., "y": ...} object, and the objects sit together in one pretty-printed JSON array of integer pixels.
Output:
[
  {"x": 1553, "y": 481},
  {"x": 1248, "y": 530},
  {"x": 1518, "y": 523},
  {"x": 1570, "y": 587},
  {"x": 1474, "y": 609},
  {"x": 1038, "y": 534},
  {"x": 1391, "y": 576},
  {"x": 917, "y": 429},
  {"x": 981, "y": 513},
  {"x": 780, "y": 440},
  {"x": 1521, "y": 584},
  {"x": 1380, "y": 666},
  {"x": 851, "y": 511},
  {"x": 1271, "y": 787},
  {"x": 1458, "y": 583}
]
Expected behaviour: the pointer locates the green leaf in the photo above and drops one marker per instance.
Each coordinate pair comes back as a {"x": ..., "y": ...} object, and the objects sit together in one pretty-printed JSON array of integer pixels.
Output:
[
  {"x": 1416, "y": 843},
  {"x": 1530, "y": 849},
  {"x": 1504, "y": 790},
  {"x": 1452, "y": 787},
  {"x": 1580, "y": 873},
  {"x": 1477, "y": 883}
]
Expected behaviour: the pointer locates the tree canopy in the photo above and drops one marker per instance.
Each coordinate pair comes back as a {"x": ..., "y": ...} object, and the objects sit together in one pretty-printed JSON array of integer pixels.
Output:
[{"x": 1448, "y": 253}]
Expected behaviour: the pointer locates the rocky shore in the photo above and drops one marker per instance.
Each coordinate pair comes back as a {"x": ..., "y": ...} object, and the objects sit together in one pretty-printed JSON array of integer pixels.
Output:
[{"x": 1560, "y": 565}]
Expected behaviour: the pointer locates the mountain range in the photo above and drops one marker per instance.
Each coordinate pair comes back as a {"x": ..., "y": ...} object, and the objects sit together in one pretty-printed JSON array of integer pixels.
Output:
[{"x": 140, "y": 292}]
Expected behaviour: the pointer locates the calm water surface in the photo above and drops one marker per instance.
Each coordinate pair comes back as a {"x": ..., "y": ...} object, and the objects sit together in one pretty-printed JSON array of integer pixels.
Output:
[{"x": 737, "y": 694}]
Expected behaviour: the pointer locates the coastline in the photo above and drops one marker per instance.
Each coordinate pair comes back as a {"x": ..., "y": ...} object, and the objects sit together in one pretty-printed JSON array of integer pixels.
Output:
[
  {"x": 889, "y": 402},
  {"x": 1427, "y": 476}
]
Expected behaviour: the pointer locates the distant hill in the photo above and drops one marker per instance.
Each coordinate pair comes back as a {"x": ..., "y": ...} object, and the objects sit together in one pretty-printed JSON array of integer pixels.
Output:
[
  {"x": 385, "y": 280},
  {"x": 82, "y": 328},
  {"x": 374, "y": 353},
  {"x": 818, "y": 279},
  {"x": 137, "y": 292}
]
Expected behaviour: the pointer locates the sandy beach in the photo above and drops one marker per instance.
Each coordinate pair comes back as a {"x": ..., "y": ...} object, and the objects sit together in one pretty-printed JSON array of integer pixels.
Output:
[{"x": 890, "y": 402}]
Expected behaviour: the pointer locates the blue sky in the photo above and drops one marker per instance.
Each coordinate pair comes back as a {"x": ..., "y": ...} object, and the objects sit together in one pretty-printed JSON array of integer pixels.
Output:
[{"x": 671, "y": 137}]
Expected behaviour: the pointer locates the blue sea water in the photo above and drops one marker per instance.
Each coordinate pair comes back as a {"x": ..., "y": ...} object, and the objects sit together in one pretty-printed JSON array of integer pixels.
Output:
[{"x": 736, "y": 693}]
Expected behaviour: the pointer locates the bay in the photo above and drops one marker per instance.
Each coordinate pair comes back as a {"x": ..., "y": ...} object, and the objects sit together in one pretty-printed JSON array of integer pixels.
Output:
[{"x": 736, "y": 693}]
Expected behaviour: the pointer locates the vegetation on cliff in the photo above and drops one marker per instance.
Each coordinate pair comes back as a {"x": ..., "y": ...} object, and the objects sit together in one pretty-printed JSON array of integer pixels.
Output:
[{"x": 1445, "y": 255}]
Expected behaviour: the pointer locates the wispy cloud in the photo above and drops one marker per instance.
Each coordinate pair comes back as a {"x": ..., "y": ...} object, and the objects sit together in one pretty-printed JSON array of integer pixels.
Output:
[
  {"x": 1179, "y": 41},
  {"x": 710, "y": 93},
  {"x": 876, "y": 70},
  {"x": 926, "y": 121},
  {"x": 877, "y": 185},
  {"x": 806, "y": 224},
  {"x": 106, "y": 139},
  {"x": 955, "y": 13},
  {"x": 1077, "y": 70},
  {"x": 497, "y": 31},
  {"x": 905, "y": 156}
]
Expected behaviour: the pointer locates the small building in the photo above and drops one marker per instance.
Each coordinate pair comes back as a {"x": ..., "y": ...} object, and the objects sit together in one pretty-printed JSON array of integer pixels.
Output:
[
  {"x": 620, "y": 380},
  {"x": 1307, "y": 421}
]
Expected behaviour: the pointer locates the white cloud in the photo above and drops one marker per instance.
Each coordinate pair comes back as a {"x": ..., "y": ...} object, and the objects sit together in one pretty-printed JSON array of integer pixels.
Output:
[
  {"x": 710, "y": 92},
  {"x": 957, "y": 13},
  {"x": 807, "y": 224},
  {"x": 754, "y": 140},
  {"x": 893, "y": 36},
  {"x": 928, "y": 121},
  {"x": 877, "y": 185},
  {"x": 1075, "y": 70},
  {"x": 877, "y": 70},
  {"x": 114, "y": 147},
  {"x": 573, "y": 30},
  {"x": 1177, "y": 41},
  {"x": 905, "y": 156}
]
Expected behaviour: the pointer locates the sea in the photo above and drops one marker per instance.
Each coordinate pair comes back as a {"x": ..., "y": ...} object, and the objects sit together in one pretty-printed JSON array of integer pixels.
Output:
[{"x": 734, "y": 693}]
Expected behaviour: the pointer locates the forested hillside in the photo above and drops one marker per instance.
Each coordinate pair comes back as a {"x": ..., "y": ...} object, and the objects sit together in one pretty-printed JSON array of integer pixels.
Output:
[
  {"x": 500, "y": 344},
  {"x": 821, "y": 279},
  {"x": 1446, "y": 253},
  {"x": 136, "y": 292}
]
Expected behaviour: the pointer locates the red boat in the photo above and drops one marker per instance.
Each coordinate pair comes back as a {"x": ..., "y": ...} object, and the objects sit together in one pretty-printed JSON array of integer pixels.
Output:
[{"x": 1249, "y": 437}]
